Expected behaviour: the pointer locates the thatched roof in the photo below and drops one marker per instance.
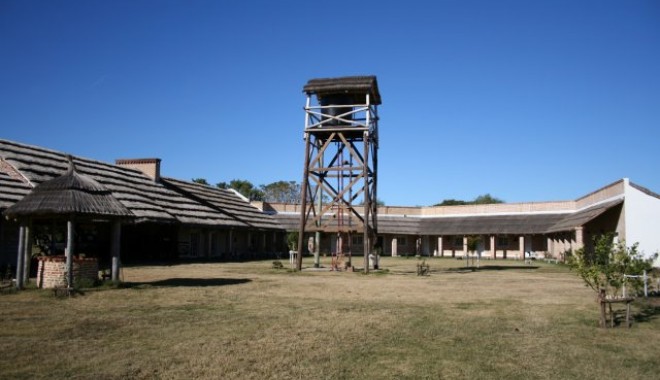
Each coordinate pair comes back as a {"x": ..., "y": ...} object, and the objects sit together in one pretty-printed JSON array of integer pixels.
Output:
[
  {"x": 490, "y": 224},
  {"x": 69, "y": 194},
  {"x": 231, "y": 207},
  {"x": 582, "y": 217},
  {"x": 502, "y": 224},
  {"x": 13, "y": 190},
  {"x": 355, "y": 85},
  {"x": 147, "y": 199}
]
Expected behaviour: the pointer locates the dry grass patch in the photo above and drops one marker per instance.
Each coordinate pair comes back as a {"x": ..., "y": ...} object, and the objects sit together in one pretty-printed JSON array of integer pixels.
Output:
[{"x": 249, "y": 321}]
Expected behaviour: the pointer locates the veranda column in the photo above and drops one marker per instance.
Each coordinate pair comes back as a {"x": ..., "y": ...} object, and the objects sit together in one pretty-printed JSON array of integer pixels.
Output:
[
  {"x": 566, "y": 240},
  {"x": 440, "y": 248},
  {"x": 20, "y": 257},
  {"x": 521, "y": 246},
  {"x": 115, "y": 248},
  {"x": 394, "y": 247},
  {"x": 492, "y": 247},
  {"x": 465, "y": 246},
  {"x": 550, "y": 246}
]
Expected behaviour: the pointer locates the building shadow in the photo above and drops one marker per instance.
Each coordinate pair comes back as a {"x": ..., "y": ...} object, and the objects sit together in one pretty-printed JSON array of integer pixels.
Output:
[{"x": 491, "y": 267}]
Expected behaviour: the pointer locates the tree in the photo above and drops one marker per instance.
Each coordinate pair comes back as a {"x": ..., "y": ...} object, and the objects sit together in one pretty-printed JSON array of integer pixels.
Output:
[
  {"x": 604, "y": 267},
  {"x": 244, "y": 187},
  {"x": 200, "y": 181},
  {"x": 451, "y": 202},
  {"x": 480, "y": 200},
  {"x": 486, "y": 199},
  {"x": 282, "y": 192},
  {"x": 292, "y": 240}
]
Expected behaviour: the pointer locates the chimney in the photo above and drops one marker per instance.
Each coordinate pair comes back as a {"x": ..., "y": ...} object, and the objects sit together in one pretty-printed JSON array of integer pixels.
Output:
[{"x": 148, "y": 166}]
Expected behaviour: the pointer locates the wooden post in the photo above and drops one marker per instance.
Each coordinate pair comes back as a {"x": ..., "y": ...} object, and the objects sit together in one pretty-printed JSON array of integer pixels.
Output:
[
  {"x": 366, "y": 240},
  {"x": 303, "y": 206},
  {"x": 601, "y": 301},
  {"x": 20, "y": 257},
  {"x": 27, "y": 257},
  {"x": 115, "y": 250},
  {"x": 69, "y": 253}
]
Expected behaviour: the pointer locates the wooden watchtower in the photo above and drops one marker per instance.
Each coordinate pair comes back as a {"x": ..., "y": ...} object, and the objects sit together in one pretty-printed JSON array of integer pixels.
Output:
[{"x": 341, "y": 160}]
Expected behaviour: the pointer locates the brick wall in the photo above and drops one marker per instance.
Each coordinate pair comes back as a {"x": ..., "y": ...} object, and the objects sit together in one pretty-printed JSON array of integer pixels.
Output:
[{"x": 52, "y": 269}]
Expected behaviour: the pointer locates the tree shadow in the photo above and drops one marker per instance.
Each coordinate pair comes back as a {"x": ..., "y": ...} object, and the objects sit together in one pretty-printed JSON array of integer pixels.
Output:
[
  {"x": 188, "y": 282},
  {"x": 649, "y": 311}
]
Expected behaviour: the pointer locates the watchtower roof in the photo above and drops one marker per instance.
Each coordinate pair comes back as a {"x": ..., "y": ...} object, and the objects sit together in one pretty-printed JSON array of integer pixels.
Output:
[{"x": 355, "y": 85}]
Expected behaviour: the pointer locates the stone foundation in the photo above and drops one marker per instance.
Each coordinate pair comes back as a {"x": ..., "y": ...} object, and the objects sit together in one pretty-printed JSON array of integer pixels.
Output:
[{"x": 52, "y": 270}]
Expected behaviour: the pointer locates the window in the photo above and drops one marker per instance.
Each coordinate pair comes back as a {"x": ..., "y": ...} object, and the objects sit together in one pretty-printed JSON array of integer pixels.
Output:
[
  {"x": 458, "y": 242},
  {"x": 357, "y": 239},
  {"x": 402, "y": 241},
  {"x": 502, "y": 242}
]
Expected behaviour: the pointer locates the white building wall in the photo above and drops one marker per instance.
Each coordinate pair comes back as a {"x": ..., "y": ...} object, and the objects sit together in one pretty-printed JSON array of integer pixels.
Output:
[{"x": 642, "y": 220}]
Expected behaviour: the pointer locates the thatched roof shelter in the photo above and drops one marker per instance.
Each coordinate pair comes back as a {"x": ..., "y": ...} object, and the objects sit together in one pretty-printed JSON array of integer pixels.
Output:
[{"x": 70, "y": 194}]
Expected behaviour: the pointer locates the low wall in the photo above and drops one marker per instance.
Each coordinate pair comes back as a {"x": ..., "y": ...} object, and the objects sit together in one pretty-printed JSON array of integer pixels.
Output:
[{"x": 52, "y": 270}]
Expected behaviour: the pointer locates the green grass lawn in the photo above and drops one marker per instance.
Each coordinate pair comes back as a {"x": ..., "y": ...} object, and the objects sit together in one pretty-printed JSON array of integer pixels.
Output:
[{"x": 249, "y": 321}]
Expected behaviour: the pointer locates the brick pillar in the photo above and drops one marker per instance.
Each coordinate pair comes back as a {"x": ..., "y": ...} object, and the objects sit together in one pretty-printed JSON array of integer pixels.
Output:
[
  {"x": 579, "y": 238},
  {"x": 550, "y": 246},
  {"x": 440, "y": 248},
  {"x": 521, "y": 247},
  {"x": 395, "y": 253}
]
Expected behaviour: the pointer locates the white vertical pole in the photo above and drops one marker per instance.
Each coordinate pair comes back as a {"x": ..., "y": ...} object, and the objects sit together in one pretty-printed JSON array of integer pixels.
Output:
[
  {"x": 646, "y": 285},
  {"x": 115, "y": 250},
  {"x": 69, "y": 253}
]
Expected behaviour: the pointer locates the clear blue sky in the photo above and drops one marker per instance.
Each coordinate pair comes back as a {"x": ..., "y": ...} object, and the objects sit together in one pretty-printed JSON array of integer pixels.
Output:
[{"x": 525, "y": 100}]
